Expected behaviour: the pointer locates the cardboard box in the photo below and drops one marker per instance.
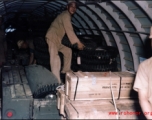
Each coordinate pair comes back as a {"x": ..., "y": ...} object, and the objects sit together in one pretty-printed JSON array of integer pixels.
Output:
[{"x": 92, "y": 85}]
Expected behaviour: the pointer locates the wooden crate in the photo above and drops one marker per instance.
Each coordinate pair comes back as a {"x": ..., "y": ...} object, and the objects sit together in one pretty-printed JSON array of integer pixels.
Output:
[
  {"x": 91, "y": 85},
  {"x": 99, "y": 109},
  {"x": 127, "y": 80},
  {"x": 61, "y": 101},
  {"x": 89, "y": 109},
  {"x": 129, "y": 109},
  {"x": 103, "y": 109}
]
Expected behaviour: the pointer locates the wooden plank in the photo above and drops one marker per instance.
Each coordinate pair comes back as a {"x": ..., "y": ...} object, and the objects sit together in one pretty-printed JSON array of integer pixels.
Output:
[
  {"x": 27, "y": 90},
  {"x": 61, "y": 101},
  {"x": 20, "y": 93},
  {"x": 12, "y": 91},
  {"x": 23, "y": 75},
  {"x": 98, "y": 109},
  {"x": 88, "y": 102},
  {"x": 129, "y": 113},
  {"x": 127, "y": 102},
  {"x": 102, "y": 109},
  {"x": 6, "y": 92},
  {"x": 129, "y": 109},
  {"x": 127, "y": 80},
  {"x": 10, "y": 77},
  {"x": 5, "y": 77},
  {"x": 91, "y": 85},
  {"x": 16, "y": 75}
]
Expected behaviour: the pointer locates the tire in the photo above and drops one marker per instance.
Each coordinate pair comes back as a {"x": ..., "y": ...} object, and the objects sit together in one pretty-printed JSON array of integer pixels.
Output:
[
  {"x": 94, "y": 61},
  {"x": 41, "y": 49},
  {"x": 89, "y": 45},
  {"x": 41, "y": 81},
  {"x": 43, "y": 91},
  {"x": 102, "y": 54},
  {"x": 95, "y": 55},
  {"x": 112, "y": 50},
  {"x": 41, "y": 55},
  {"x": 40, "y": 42},
  {"x": 43, "y": 63},
  {"x": 98, "y": 68}
]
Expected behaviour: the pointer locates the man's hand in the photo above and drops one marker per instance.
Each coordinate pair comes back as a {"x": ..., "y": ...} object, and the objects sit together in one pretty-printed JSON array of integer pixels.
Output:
[{"x": 80, "y": 46}]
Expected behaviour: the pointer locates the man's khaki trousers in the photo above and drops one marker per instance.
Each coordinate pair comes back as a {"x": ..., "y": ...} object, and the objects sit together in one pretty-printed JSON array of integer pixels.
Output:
[{"x": 55, "y": 61}]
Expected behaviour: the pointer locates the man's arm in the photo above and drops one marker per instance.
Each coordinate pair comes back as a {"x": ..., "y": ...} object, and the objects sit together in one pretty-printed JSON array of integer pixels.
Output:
[
  {"x": 70, "y": 32},
  {"x": 31, "y": 47},
  {"x": 31, "y": 58},
  {"x": 69, "y": 29},
  {"x": 144, "y": 103}
]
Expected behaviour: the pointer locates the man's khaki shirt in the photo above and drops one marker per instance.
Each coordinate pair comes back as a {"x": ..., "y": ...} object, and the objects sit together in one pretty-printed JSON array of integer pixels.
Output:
[{"x": 60, "y": 26}]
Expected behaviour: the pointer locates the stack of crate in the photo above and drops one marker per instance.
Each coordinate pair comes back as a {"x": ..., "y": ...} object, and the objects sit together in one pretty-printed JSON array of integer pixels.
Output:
[{"x": 99, "y": 95}]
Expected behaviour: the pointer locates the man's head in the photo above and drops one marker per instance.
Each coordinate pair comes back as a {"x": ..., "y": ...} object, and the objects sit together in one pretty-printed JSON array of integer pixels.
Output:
[
  {"x": 72, "y": 6},
  {"x": 22, "y": 44}
]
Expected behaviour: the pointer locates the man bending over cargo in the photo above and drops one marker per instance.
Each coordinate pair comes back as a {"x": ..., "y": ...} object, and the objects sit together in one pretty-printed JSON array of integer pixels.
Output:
[
  {"x": 143, "y": 85},
  {"x": 27, "y": 45},
  {"x": 59, "y": 27}
]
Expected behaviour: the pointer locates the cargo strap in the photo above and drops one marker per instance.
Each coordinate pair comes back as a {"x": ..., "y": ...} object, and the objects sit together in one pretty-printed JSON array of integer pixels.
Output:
[
  {"x": 113, "y": 96},
  {"x": 76, "y": 85},
  {"x": 75, "y": 110},
  {"x": 60, "y": 87},
  {"x": 119, "y": 88}
]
